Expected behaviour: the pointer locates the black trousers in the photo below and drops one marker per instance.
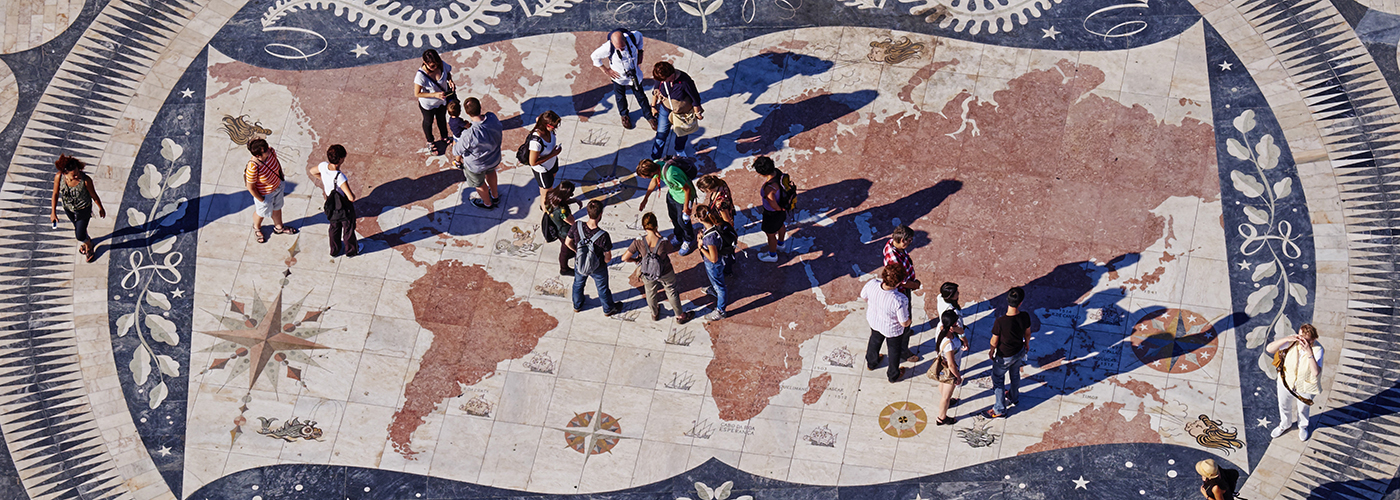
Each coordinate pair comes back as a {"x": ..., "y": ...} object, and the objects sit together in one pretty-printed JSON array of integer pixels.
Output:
[
  {"x": 564, "y": 255},
  {"x": 80, "y": 221},
  {"x": 438, "y": 114},
  {"x": 342, "y": 236},
  {"x": 896, "y": 347},
  {"x": 620, "y": 91}
]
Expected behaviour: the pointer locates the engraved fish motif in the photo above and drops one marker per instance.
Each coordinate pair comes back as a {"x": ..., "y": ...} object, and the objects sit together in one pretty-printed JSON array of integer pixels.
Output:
[{"x": 290, "y": 431}]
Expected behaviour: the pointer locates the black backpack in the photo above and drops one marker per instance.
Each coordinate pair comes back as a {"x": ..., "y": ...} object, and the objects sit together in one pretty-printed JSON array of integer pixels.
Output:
[
  {"x": 685, "y": 164},
  {"x": 522, "y": 154},
  {"x": 338, "y": 206},
  {"x": 650, "y": 265},
  {"x": 627, "y": 41},
  {"x": 728, "y": 238},
  {"x": 787, "y": 192}
]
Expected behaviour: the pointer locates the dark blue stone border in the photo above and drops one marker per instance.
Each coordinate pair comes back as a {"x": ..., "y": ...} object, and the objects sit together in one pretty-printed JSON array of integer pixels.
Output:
[{"x": 1288, "y": 249}]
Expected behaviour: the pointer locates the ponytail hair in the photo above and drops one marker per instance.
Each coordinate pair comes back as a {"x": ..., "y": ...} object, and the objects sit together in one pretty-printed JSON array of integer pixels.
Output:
[{"x": 945, "y": 329}]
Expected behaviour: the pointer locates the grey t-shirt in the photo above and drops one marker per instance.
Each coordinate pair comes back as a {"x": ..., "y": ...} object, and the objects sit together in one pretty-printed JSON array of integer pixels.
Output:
[{"x": 480, "y": 145}]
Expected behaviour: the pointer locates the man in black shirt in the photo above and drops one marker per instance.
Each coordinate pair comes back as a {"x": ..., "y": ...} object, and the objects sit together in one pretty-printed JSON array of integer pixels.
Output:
[{"x": 1011, "y": 335}]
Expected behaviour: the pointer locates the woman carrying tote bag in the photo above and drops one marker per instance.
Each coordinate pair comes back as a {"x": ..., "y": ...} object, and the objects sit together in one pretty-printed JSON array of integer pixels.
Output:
[{"x": 677, "y": 104}]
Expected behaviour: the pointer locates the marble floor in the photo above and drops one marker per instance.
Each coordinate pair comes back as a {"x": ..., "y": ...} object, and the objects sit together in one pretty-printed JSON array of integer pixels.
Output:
[{"x": 1174, "y": 185}]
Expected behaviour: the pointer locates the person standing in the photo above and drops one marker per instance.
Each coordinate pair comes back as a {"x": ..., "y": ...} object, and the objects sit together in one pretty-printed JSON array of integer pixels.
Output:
[
  {"x": 1011, "y": 337},
  {"x": 896, "y": 252},
  {"x": 717, "y": 196},
  {"x": 619, "y": 58},
  {"x": 433, "y": 87},
  {"x": 680, "y": 199},
  {"x": 74, "y": 189},
  {"x": 594, "y": 248},
  {"x": 887, "y": 313},
  {"x": 1301, "y": 372},
  {"x": 263, "y": 177},
  {"x": 675, "y": 93},
  {"x": 544, "y": 149},
  {"x": 340, "y": 203},
  {"x": 1214, "y": 485},
  {"x": 774, "y": 213},
  {"x": 480, "y": 149},
  {"x": 562, "y": 216},
  {"x": 947, "y": 370},
  {"x": 713, "y": 253},
  {"x": 653, "y": 255},
  {"x": 948, "y": 300}
]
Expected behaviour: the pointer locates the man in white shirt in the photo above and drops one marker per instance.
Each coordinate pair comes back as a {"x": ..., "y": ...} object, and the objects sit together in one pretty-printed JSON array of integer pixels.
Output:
[
  {"x": 887, "y": 312},
  {"x": 619, "y": 58}
]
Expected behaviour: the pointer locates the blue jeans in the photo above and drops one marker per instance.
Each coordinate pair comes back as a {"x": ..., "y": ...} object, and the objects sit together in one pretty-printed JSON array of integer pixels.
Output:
[
  {"x": 1000, "y": 367},
  {"x": 620, "y": 91},
  {"x": 715, "y": 270},
  {"x": 663, "y": 132},
  {"x": 600, "y": 282}
]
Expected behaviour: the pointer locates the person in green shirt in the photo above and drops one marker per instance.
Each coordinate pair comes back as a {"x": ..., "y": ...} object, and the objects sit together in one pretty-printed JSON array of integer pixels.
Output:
[{"x": 680, "y": 199}]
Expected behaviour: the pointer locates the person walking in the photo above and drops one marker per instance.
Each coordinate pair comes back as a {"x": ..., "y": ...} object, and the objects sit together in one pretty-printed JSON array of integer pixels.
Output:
[
  {"x": 1299, "y": 380},
  {"x": 543, "y": 145},
  {"x": 716, "y": 194},
  {"x": 263, "y": 177},
  {"x": 594, "y": 248},
  {"x": 340, "y": 203},
  {"x": 774, "y": 212},
  {"x": 680, "y": 199},
  {"x": 1011, "y": 337},
  {"x": 433, "y": 87},
  {"x": 480, "y": 149},
  {"x": 675, "y": 94},
  {"x": 619, "y": 58},
  {"x": 947, "y": 369},
  {"x": 74, "y": 189},
  {"x": 713, "y": 250},
  {"x": 887, "y": 313},
  {"x": 562, "y": 217},
  {"x": 1214, "y": 484},
  {"x": 652, "y": 253}
]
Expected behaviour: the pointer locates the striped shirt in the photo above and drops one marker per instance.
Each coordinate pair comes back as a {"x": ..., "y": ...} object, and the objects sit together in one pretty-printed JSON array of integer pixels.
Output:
[
  {"x": 896, "y": 256},
  {"x": 886, "y": 310},
  {"x": 264, "y": 176}
]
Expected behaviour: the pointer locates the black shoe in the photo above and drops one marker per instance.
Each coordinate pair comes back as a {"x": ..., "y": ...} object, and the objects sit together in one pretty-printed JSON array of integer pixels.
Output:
[
  {"x": 627, "y": 122},
  {"x": 483, "y": 205},
  {"x": 495, "y": 200},
  {"x": 947, "y": 421}
]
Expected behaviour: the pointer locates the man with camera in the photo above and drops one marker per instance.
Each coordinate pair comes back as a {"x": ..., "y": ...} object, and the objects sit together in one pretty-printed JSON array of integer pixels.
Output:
[{"x": 619, "y": 58}]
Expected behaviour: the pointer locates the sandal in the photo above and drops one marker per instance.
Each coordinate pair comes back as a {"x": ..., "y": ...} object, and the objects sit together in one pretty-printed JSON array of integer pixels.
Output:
[
  {"x": 259, "y": 234},
  {"x": 91, "y": 255},
  {"x": 946, "y": 421},
  {"x": 284, "y": 230}
]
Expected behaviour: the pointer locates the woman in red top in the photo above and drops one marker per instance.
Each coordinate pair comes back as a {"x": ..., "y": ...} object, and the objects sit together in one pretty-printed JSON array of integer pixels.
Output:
[{"x": 717, "y": 196}]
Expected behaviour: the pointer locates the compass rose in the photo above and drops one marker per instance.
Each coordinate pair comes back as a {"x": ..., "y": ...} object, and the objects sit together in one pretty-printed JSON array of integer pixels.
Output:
[{"x": 1174, "y": 341}]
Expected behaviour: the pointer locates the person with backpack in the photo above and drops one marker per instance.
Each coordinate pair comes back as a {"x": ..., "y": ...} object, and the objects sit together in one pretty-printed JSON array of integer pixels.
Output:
[
  {"x": 619, "y": 58},
  {"x": 561, "y": 217},
  {"x": 779, "y": 196},
  {"x": 480, "y": 149},
  {"x": 1215, "y": 483},
  {"x": 594, "y": 248},
  {"x": 541, "y": 152},
  {"x": 651, "y": 252},
  {"x": 717, "y": 196},
  {"x": 717, "y": 250},
  {"x": 433, "y": 87},
  {"x": 340, "y": 203},
  {"x": 680, "y": 197}
]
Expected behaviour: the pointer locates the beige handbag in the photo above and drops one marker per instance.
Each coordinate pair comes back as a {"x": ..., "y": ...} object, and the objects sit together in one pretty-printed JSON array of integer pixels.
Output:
[{"x": 684, "y": 120}]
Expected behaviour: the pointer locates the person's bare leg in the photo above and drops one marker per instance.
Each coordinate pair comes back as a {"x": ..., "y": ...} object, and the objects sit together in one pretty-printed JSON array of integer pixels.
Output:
[
  {"x": 257, "y": 222},
  {"x": 947, "y": 390},
  {"x": 491, "y": 183},
  {"x": 782, "y": 234},
  {"x": 276, "y": 219},
  {"x": 772, "y": 243},
  {"x": 543, "y": 192},
  {"x": 484, "y": 193}
]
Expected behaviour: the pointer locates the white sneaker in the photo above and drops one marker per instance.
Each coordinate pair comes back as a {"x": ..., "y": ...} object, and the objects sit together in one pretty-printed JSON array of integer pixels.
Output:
[
  {"x": 768, "y": 257},
  {"x": 686, "y": 249},
  {"x": 1282, "y": 428},
  {"x": 1304, "y": 433}
]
